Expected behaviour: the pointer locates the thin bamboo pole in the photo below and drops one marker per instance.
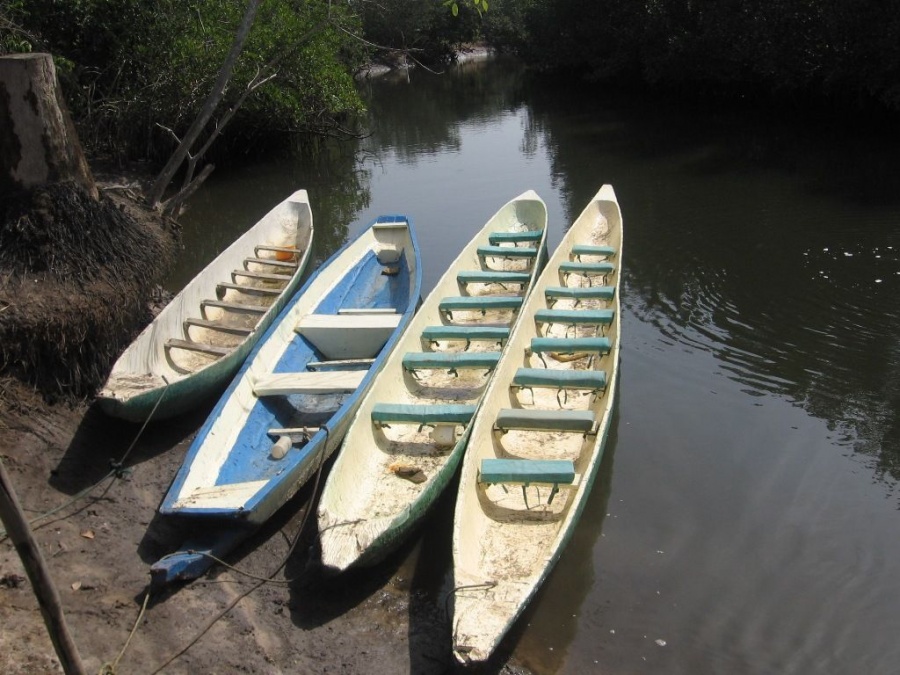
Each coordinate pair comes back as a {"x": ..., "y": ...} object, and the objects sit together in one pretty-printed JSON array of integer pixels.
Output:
[{"x": 20, "y": 533}]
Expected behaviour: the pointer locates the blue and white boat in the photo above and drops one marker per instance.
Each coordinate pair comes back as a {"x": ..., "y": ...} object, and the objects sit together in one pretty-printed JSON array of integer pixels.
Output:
[{"x": 290, "y": 404}]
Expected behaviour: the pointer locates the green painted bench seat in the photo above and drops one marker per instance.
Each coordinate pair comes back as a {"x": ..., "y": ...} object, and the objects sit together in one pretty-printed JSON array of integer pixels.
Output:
[
  {"x": 583, "y": 249},
  {"x": 449, "y": 360},
  {"x": 527, "y": 471},
  {"x": 514, "y": 237},
  {"x": 595, "y": 380},
  {"x": 507, "y": 252},
  {"x": 575, "y": 317},
  {"x": 479, "y": 303},
  {"x": 467, "y": 333},
  {"x": 385, "y": 413},
  {"x": 529, "y": 419},
  {"x": 552, "y": 293},
  {"x": 594, "y": 345},
  {"x": 491, "y": 277},
  {"x": 586, "y": 268}
]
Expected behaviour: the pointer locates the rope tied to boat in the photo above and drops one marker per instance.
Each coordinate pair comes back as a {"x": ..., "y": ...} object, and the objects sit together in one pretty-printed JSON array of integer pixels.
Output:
[
  {"x": 260, "y": 581},
  {"x": 117, "y": 470},
  {"x": 486, "y": 585}
]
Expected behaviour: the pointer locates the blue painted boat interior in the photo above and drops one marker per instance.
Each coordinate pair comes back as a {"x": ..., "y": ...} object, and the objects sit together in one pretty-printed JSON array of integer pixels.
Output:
[{"x": 365, "y": 286}]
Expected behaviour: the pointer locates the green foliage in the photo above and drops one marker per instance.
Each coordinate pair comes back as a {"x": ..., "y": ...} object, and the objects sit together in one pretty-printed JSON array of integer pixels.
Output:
[
  {"x": 843, "y": 49},
  {"x": 425, "y": 31},
  {"x": 134, "y": 69}
]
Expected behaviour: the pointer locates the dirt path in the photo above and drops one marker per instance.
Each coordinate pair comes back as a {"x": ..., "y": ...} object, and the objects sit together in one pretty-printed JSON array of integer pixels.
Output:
[{"x": 387, "y": 620}]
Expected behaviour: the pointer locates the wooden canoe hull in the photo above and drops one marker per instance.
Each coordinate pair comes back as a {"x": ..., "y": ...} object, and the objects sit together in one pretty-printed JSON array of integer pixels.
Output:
[
  {"x": 368, "y": 507},
  {"x": 232, "y": 479},
  {"x": 508, "y": 534},
  {"x": 151, "y": 378}
]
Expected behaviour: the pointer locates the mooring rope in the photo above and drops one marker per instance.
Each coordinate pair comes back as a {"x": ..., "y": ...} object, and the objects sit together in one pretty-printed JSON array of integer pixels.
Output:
[
  {"x": 117, "y": 471},
  {"x": 261, "y": 581}
]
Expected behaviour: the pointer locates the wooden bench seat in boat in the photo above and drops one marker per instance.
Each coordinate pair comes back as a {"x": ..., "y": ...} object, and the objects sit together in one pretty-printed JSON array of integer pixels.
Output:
[
  {"x": 348, "y": 336},
  {"x": 215, "y": 325},
  {"x": 468, "y": 333},
  {"x": 384, "y": 414},
  {"x": 586, "y": 269},
  {"x": 576, "y": 317},
  {"x": 293, "y": 252},
  {"x": 272, "y": 262},
  {"x": 600, "y": 251},
  {"x": 554, "y": 293},
  {"x": 326, "y": 382},
  {"x": 451, "y": 361},
  {"x": 507, "y": 252},
  {"x": 222, "y": 287},
  {"x": 261, "y": 276},
  {"x": 232, "y": 307},
  {"x": 530, "y": 419},
  {"x": 495, "y": 238},
  {"x": 525, "y": 472},
  {"x": 479, "y": 303},
  {"x": 341, "y": 363},
  {"x": 191, "y": 346},
  {"x": 492, "y": 277},
  {"x": 591, "y": 345},
  {"x": 550, "y": 378}
]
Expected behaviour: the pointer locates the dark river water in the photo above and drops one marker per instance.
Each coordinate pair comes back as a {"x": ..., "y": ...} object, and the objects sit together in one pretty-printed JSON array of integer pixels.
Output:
[{"x": 746, "y": 519}]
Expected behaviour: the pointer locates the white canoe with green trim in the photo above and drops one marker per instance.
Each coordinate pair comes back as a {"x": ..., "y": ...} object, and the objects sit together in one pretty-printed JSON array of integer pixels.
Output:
[
  {"x": 537, "y": 440},
  {"x": 196, "y": 344},
  {"x": 410, "y": 432}
]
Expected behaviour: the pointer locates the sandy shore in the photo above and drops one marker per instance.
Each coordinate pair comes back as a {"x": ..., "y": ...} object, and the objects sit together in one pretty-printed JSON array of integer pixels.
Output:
[{"x": 390, "y": 619}]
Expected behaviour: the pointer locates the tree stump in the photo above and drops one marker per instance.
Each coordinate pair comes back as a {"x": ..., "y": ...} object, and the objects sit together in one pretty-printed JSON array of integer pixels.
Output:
[{"x": 38, "y": 142}]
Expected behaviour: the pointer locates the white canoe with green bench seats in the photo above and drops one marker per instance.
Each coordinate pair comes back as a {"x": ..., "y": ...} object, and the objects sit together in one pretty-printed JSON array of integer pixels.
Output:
[
  {"x": 196, "y": 344},
  {"x": 537, "y": 439},
  {"x": 407, "y": 439}
]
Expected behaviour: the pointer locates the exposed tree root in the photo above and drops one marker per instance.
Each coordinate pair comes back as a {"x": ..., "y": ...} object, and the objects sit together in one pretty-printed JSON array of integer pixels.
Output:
[{"x": 76, "y": 277}]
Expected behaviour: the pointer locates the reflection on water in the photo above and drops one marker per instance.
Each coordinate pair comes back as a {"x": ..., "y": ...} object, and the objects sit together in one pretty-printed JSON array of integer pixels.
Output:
[{"x": 759, "y": 390}]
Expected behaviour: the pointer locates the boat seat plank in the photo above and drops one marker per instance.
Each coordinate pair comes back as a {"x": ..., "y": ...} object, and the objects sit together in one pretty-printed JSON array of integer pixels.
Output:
[
  {"x": 233, "y": 307},
  {"x": 262, "y": 276},
  {"x": 586, "y": 268},
  {"x": 191, "y": 346},
  {"x": 348, "y": 336},
  {"x": 273, "y": 262},
  {"x": 583, "y": 249},
  {"x": 507, "y": 252},
  {"x": 215, "y": 325},
  {"x": 276, "y": 249},
  {"x": 253, "y": 290},
  {"x": 527, "y": 471},
  {"x": 492, "y": 277},
  {"x": 529, "y": 419},
  {"x": 594, "y": 380},
  {"x": 593, "y": 345},
  {"x": 386, "y": 413},
  {"x": 452, "y": 361},
  {"x": 575, "y": 317},
  {"x": 553, "y": 293},
  {"x": 479, "y": 303},
  {"x": 495, "y": 238},
  {"x": 341, "y": 363},
  {"x": 467, "y": 333},
  {"x": 330, "y": 382},
  {"x": 295, "y": 433},
  {"x": 366, "y": 310}
]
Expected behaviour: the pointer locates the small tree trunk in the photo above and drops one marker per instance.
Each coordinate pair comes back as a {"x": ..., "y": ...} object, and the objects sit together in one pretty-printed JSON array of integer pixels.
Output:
[
  {"x": 38, "y": 142},
  {"x": 13, "y": 518}
]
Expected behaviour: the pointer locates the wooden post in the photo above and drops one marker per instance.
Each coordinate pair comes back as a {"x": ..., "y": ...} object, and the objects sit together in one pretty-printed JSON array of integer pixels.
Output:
[
  {"x": 38, "y": 142},
  {"x": 17, "y": 527}
]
